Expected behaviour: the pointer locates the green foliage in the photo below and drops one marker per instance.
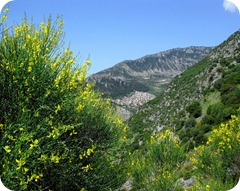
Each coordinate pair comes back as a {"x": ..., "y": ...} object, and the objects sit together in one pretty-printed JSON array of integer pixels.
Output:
[
  {"x": 230, "y": 93},
  {"x": 219, "y": 158},
  {"x": 217, "y": 113},
  {"x": 155, "y": 167},
  {"x": 194, "y": 109},
  {"x": 116, "y": 88},
  {"x": 56, "y": 132},
  {"x": 190, "y": 123}
]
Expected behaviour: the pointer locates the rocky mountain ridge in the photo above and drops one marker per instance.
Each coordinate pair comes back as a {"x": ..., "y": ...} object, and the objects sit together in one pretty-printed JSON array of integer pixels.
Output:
[
  {"x": 203, "y": 82},
  {"x": 151, "y": 73}
]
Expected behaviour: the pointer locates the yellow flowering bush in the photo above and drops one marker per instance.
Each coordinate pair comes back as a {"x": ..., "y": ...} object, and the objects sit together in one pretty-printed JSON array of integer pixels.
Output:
[
  {"x": 56, "y": 132},
  {"x": 155, "y": 167},
  {"x": 220, "y": 157}
]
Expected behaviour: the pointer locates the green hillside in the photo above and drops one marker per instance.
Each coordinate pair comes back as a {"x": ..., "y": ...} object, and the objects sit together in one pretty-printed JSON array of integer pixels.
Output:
[
  {"x": 213, "y": 82},
  {"x": 184, "y": 138}
]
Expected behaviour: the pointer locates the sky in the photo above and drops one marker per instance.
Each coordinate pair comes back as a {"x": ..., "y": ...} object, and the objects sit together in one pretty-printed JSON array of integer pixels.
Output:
[{"x": 111, "y": 31}]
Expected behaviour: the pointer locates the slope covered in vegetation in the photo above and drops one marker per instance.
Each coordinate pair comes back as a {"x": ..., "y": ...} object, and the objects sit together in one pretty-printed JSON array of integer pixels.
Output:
[
  {"x": 206, "y": 94},
  {"x": 200, "y": 109}
]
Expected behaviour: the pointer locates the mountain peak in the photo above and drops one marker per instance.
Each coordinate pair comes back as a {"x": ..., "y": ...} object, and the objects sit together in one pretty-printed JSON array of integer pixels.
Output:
[{"x": 150, "y": 73}]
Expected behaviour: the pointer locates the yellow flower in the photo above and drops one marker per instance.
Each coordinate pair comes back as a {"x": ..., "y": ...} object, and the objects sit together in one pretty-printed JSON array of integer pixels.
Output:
[
  {"x": 6, "y": 10},
  {"x": 89, "y": 152},
  {"x": 73, "y": 133},
  {"x": 61, "y": 22},
  {"x": 35, "y": 142},
  {"x": 29, "y": 68},
  {"x": 47, "y": 93},
  {"x": 7, "y": 149},
  {"x": 80, "y": 107},
  {"x": 55, "y": 159},
  {"x": 58, "y": 108},
  {"x": 43, "y": 158},
  {"x": 25, "y": 170},
  {"x": 20, "y": 163},
  {"x": 207, "y": 187},
  {"x": 31, "y": 146},
  {"x": 42, "y": 25},
  {"x": 36, "y": 177},
  {"x": 87, "y": 168},
  {"x": 4, "y": 18},
  {"x": 81, "y": 156},
  {"x": 88, "y": 62}
]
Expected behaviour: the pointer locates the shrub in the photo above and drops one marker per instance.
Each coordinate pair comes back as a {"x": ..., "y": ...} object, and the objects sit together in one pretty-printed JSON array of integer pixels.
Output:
[
  {"x": 155, "y": 168},
  {"x": 56, "y": 132},
  {"x": 194, "y": 109},
  {"x": 219, "y": 158},
  {"x": 190, "y": 123}
]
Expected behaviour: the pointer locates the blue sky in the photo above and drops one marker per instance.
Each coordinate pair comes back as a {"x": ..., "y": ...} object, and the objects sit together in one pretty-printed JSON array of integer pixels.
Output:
[{"x": 110, "y": 31}]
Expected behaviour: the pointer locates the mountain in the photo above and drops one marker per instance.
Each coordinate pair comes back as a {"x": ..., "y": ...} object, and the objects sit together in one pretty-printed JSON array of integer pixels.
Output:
[
  {"x": 151, "y": 73},
  {"x": 204, "y": 95}
]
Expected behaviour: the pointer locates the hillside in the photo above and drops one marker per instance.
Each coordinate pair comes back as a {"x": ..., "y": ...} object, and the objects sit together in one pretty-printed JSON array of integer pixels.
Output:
[
  {"x": 207, "y": 82},
  {"x": 188, "y": 137},
  {"x": 151, "y": 73}
]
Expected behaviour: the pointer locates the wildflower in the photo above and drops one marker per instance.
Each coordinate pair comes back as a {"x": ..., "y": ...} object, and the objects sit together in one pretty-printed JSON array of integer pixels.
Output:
[
  {"x": 55, "y": 159},
  {"x": 29, "y": 68},
  {"x": 73, "y": 133},
  {"x": 207, "y": 188},
  {"x": 43, "y": 158},
  {"x": 7, "y": 149},
  {"x": 47, "y": 93},
  {"x": 6, "y": 10},
  {"x": 42, "y": 25},
  {"x": 25, "y": 170},
  {"x": 36, "y": 177},
  {"x": 20, "y": 163},
  {"x": 31, "y": 146},
  {"x": 58, "y": 108},
  {"x": 36, "y": 142},
  {"x": 89, "y": 152},
  {"x": 87, "y": 168},
  {"x": 88, "y": 62},
  {"x": 80, "y": 107},
  {"x": 4, "y": 18},
  {"x": 81, "y": 156},
  {"x": 61, "y": 22}
]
